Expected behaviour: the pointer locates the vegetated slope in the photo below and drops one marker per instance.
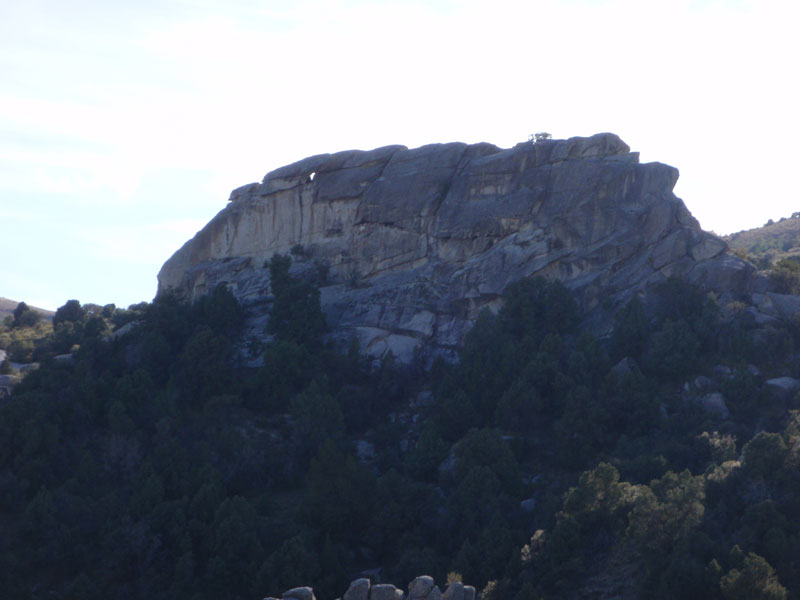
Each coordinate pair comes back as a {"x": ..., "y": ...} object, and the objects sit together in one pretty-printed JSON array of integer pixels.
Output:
[
  {"x": 20, "y": 331},
  {"x": 7, "y": 309},
  {"x": 661, "y": 463},
  {"x": 770, "y": 243},
  {"x": 28, "y": 337}
]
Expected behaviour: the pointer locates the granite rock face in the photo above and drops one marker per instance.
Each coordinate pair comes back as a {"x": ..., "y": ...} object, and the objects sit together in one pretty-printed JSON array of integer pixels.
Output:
[{"x": 417, "y": 242}]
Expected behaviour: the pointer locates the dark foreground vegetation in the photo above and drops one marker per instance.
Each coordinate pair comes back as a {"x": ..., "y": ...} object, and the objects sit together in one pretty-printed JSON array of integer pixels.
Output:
[{"x": 151, "y": 466}]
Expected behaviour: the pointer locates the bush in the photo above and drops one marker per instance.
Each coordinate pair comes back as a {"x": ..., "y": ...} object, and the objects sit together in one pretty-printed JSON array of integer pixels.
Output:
[{"x": 785, "y": 276}]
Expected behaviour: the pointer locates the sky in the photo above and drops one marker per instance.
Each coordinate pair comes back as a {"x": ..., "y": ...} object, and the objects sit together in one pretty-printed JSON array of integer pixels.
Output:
[{"x": 124, "y": 126}]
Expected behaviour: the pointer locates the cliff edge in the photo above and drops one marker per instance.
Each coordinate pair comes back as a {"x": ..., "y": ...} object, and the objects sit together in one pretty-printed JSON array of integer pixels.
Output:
[{"x": 415, "y": 243}]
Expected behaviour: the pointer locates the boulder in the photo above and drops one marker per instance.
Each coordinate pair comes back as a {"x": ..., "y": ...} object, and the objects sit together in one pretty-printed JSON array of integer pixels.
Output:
[
  {"x": 383, "y": 591},
  {"x": 714, "y": 404},
  {"x": 626, "y": 366},
  {"x": 454, "y": 591},
  {"x": 723, "y": 372},
  {"x": 358, "y": 590},
  {"x": 702, "y": 383},
  {"x": 782, "y": 388},
  {"x": 420, "y": 588},
  {"x": 365, "y": 451},
  {"x": 786, "y": 306},
  {"x": 300, "y": 593}
]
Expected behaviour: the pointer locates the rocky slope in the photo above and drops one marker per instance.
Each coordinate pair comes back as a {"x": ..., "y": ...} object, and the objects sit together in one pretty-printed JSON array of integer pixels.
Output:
[{"x": 416, "y": 242}]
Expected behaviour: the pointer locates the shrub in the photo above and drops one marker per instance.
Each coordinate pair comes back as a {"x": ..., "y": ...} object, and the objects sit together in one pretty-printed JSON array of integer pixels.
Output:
[{"x": 785, "y": 276}]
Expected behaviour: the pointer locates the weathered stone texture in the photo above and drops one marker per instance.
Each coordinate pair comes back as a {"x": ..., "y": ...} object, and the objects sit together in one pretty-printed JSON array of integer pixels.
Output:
[
  {"x": 419, "y": 241},
  {"x": 383, "y": 591}
]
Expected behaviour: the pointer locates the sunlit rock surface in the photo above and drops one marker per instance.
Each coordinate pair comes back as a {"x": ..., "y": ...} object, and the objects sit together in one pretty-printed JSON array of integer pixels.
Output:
[{"x": 417, "y": 242}]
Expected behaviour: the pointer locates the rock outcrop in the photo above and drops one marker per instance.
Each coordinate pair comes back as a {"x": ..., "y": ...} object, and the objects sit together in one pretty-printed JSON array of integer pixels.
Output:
[
  {"x": 416, "y": 242},
  {"x": 421, "y": 588}
]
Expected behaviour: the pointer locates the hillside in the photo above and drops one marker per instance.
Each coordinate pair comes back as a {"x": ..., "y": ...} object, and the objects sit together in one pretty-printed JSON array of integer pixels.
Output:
[
  {"x": 660, "y": 463},
  {"x": 770, "y": 243},
  {"x": 7, "y": 308},
  {"x": 20, "y": 333},
  {"x": 525, "y": 369}
]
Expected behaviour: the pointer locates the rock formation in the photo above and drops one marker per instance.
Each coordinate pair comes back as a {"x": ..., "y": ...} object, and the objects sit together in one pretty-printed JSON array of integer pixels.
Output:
[
  {"x": 421, "y": 588},
  {"x": 417, "y": 242}
]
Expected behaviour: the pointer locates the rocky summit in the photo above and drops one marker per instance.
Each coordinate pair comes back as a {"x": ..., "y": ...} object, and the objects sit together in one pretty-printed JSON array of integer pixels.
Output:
[{"x": 409, "y": 245}]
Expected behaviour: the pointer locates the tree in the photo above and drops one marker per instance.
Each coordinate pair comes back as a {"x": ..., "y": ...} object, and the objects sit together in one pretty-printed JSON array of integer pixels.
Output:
[
  {"x": 294, "y": 564},
  {"x": 666, "y": 513},
  {"x": 785, "y": 276},
  {"x": 487, "y": 364},
  {"x": 764, "y": 454},
  {"x": 539, "y": 137},
  {"x": 339, "y": 499},
  {"x": 202, "y": 369},
  {"x": 71, "y": 312},
  {"x": 674, "y": 350},
  {"x": 535, "y": 307},
  {"x": 296, "y": 312},
  {"x": 317, "y": 417},
  {"x": 237, "y": 552},
  {"x": 424, "y": 458},
  {"x": 597, "y": 497},
  {"x": 631, "y": 331},
  {"x": 25, "y": 316},
  {"x": 65, "y": 336},
  {"x": 287, "y": 369},
  {"x": 487, "y": 448},
  {"x": 21, "y": 308},
  {"x": 220, "y": 310},
  {"x": 756, "y": 580}
]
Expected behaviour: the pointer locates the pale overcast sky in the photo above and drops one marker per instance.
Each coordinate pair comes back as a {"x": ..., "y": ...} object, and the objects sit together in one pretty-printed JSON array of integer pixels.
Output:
[{"x": 124, "y": 126}]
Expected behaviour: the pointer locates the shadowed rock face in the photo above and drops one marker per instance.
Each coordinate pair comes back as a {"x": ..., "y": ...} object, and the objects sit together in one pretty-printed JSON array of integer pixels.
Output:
[{"x": 419, "y": 241}]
